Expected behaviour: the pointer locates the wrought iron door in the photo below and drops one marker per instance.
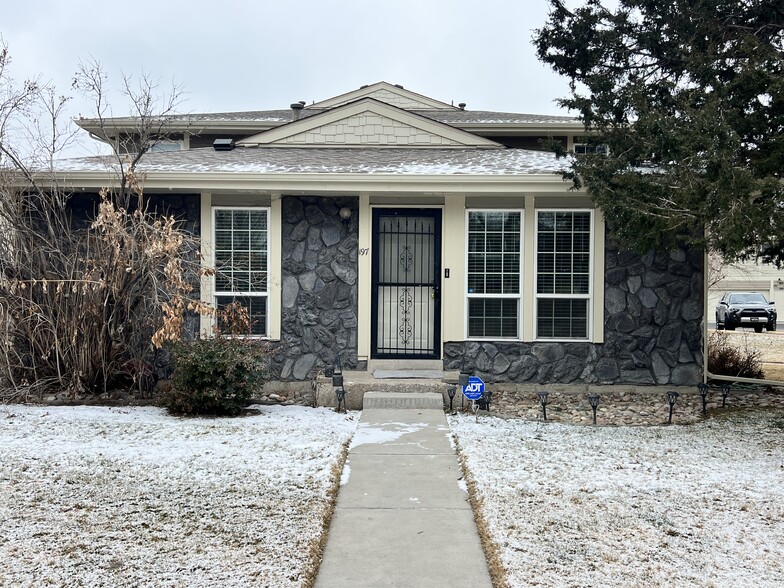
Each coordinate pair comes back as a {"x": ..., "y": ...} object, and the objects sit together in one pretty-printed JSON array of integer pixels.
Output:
[{"x": 406, "y": 321}]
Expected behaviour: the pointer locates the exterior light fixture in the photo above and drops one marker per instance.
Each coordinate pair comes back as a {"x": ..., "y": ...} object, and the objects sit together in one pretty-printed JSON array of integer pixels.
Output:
[
  {"x": 703, "y": 388},
  {"x": 725, "y": 391},
  {"x": 484, "y": 401},
  {"x": 340, "y": 393},
  {"x": 345, "y": 214},
  {"x": 450, "y": 391},
  {"x": 337, "y": 373},
  {"x": 672, "y": 396},
  {"x": 593, "y": 400},
  {"x": 543, "y": 401}
]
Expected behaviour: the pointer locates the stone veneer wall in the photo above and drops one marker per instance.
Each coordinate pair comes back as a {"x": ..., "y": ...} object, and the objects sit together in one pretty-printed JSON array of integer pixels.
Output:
[
  {"x": 653, "y": 331},
  {"x": 319, "y": 289}
]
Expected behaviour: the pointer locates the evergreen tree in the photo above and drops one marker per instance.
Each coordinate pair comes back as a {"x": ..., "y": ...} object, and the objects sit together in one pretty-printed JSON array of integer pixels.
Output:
[{"x": 688, "y": 96}]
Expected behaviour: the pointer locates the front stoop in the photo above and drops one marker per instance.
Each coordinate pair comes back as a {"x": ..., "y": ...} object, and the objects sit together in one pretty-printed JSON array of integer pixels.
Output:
[
  {"x": 359, "y": 384},
  {"x": 418, "y": 400}
]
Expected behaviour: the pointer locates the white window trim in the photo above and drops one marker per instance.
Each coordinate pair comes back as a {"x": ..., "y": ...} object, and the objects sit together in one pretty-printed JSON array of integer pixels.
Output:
[
  {"x": 589, "y": 296},
  {"x": 266, "y": 293},
  {"x": 518, "y": 296}
]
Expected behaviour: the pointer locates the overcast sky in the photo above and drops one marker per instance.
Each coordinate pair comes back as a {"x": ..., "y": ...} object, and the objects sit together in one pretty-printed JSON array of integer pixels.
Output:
[{"x": 265, "y": 54}]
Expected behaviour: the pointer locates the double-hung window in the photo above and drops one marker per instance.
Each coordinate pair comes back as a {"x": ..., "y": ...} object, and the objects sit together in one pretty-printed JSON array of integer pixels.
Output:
[
  {"x": 242, "y": 262},
  {"x": 494, "y": 264},
  {"x": 563, "y": 274}
]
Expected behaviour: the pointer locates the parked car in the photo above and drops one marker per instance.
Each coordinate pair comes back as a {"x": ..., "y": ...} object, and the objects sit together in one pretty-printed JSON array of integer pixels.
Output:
[{"x": 745, "y": 309}]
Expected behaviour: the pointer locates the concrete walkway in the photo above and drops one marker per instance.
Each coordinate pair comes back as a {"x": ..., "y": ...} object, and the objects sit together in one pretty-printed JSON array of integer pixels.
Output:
[{"x": 402, "y": 518}]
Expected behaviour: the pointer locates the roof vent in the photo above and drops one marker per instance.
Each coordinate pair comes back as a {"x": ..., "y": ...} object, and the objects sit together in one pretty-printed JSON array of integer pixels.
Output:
[
  {"x": 399, "y": 86},
  {"x": 297, "y": 108},
  {"x": 461, "y": 106},
  {"x": 223, "y": 144}
]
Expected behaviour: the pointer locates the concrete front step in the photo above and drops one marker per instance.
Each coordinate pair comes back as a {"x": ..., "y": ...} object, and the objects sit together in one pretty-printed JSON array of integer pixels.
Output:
[
  {"x": 417, "y": 400},
  {"x": 358, "y": 384}
]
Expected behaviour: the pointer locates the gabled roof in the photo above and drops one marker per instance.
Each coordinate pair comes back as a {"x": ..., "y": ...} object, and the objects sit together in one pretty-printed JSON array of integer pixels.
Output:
[
  {"x": 367, "y": 122},
  {"x": 388, "y": 93}
]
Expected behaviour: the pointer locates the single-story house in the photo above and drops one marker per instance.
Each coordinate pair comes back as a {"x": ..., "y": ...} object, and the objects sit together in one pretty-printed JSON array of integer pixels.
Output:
[{"x": 382, "y": 224}]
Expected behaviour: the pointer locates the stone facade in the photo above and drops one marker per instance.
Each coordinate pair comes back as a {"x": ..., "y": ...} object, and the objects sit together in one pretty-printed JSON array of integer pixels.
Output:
[
  {"x": 653, "y": 331},
  {"x": 319, "y": 287}
]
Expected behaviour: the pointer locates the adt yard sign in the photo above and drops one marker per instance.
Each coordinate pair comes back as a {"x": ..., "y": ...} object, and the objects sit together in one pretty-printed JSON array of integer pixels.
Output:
[{"x": 474, "y": 389}]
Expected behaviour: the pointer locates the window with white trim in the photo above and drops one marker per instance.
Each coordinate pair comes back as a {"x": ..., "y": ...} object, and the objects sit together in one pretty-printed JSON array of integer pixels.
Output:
[
  {"x": 494, "y": 263},
  {"x": 563, "y": 273},
  {"x": 242, "y": 262}
]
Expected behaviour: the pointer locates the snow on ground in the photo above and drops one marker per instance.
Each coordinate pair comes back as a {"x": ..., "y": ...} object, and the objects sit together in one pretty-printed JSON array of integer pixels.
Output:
[
  {"x": 133, "y": 497},
  {"x": 699, "y": 505}
]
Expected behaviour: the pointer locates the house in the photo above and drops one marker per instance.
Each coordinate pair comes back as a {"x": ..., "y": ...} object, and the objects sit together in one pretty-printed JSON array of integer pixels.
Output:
[{"x": 383, "y": 224}]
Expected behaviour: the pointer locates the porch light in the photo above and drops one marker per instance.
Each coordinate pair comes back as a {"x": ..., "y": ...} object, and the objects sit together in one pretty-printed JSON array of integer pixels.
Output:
[
  {"x": 593, "y": 400},
  {"x": 543, "y": 401},
  {"x": 345, "y": 214},
  {"x": 703, "y": 388},
  {"x": 672, "y": 396}
]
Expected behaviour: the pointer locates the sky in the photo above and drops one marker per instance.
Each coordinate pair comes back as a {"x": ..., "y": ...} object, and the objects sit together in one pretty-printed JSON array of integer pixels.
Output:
[{"x": 265, "y": 54}]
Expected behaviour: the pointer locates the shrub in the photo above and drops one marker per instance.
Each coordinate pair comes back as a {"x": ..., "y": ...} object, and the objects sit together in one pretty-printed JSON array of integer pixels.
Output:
[
  {"x": 726, "y": 359},
  {"x": 216, "y": 376}
]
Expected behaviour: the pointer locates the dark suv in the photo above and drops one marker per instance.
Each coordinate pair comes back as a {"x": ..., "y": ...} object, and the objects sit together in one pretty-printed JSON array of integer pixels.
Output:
[{"x": 745, "y": 309}]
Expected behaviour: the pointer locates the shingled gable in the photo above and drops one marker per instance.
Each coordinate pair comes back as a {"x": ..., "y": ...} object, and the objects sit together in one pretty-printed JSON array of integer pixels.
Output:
[
  {"x": 389, "y": 94},
  {"x": 367, "y": 122}
]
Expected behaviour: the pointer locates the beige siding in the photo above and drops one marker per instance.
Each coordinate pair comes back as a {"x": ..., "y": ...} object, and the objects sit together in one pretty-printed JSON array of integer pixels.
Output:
[{"x": 367, "y": 128}]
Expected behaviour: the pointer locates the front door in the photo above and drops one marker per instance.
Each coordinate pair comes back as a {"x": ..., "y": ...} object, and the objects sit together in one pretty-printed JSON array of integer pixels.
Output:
[{"x": 406, "y": 298}]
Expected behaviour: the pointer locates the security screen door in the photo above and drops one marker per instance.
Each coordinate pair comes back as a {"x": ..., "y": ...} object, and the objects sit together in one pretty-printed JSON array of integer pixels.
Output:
[{"x": 406, "y": 298}]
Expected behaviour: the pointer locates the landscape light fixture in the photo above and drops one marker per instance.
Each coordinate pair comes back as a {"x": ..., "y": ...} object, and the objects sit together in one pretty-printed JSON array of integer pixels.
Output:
[
  {"x": 450, "y": 390},
  {"x": 340, "y": 392},
  {"x": 725, "y": 391},
  {"x": 593, "y": 400},
  {"x": 543, "y": 401},
  {"x": 703, "y": 388},
  {"x": 484, "y": 401},
  {"x": 337, "y": 373},
  {"x": 672, "y": 396}
]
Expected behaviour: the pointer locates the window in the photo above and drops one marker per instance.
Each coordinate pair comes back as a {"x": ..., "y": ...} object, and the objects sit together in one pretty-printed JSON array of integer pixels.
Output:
[
  {"x": 161, "y": 146},
  {"x": 563, "y": 274},
  {"x": 242, "y": 261},
  {"x": 494, "y": 253},
  {"x": 583, "y": 148}
]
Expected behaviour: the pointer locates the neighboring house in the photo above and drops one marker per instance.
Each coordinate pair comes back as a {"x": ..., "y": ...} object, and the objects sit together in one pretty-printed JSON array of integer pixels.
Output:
[{"x": 383, "y": 224}]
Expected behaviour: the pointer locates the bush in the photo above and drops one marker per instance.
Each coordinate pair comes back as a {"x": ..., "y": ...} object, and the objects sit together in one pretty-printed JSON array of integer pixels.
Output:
[
  {"x": 216, "y": 376},
  {"x": 725, "y": 359}
]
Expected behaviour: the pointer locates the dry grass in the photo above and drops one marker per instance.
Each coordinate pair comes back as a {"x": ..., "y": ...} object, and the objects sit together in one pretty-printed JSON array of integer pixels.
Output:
[
  {"x": 316, "y": 549},
  {"x": 490, "y": 547}
]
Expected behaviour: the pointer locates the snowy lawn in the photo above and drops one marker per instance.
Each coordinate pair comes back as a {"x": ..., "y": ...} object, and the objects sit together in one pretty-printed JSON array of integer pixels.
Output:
[
  {"x": 699, "y": 505},
  {"x": 133, "y": 497}
]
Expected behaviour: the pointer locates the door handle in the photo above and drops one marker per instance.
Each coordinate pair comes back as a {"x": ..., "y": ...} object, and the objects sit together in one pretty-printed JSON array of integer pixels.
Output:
[{"x": 436, "y": 293}]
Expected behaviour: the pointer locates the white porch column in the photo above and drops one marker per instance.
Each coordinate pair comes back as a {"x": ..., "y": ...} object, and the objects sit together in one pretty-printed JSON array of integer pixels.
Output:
[
  {"x": 364, "y": 277},
  {"x": 453, "y": 297},
  {"x": 207, "y": 260}
]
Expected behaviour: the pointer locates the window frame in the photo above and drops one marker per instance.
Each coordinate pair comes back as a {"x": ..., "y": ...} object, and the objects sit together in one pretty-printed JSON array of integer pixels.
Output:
[
  {"x": 520, "y": 293},
  {"x": 255, "y": 294},
  {"x": 589, "y": 296}
]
